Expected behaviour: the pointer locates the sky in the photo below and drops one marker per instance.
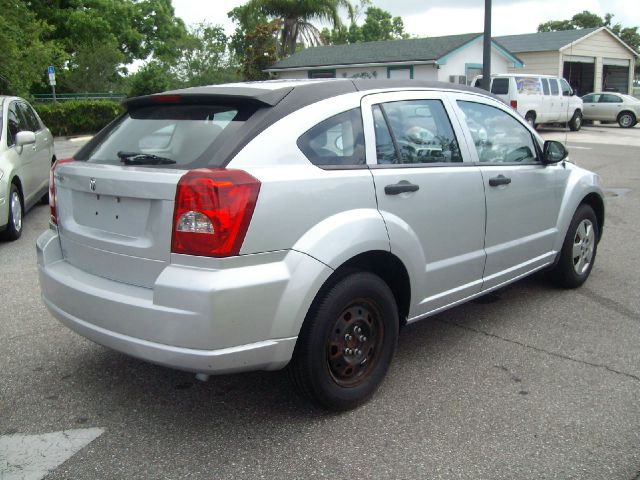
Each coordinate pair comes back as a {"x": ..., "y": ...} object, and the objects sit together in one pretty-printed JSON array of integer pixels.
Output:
[{"x": 447, "y": 17}]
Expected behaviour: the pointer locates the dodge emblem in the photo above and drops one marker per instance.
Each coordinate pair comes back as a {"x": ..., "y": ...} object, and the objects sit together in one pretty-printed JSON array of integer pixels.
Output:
[{"x": 92, "y": 184}]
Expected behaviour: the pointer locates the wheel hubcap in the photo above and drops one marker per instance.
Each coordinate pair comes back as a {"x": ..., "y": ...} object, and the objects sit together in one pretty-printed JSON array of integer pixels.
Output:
[
  {"x": 354, "y": 343},
  {"x": 625, "y": 120},
  {"x": 16, "y": 211},
  {"x": 583, "y": 245},
  {"x": 578, "y": 121}
]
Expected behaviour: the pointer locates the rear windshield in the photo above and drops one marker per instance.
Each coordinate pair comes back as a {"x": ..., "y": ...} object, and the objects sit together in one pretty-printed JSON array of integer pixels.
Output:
[{"x": 166, "y": 136}]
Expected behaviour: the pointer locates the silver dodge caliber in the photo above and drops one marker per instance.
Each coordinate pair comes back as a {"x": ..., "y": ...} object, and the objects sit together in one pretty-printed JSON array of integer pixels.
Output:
[{"x": 302, "y": 223}]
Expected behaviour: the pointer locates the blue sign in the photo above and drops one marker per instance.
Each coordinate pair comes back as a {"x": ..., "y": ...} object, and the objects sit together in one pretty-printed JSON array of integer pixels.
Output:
[{"x": 51, "y": 70}]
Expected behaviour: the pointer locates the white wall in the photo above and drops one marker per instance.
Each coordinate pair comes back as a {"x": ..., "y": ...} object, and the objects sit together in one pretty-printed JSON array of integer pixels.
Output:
[
  {"x": 543, "y": 63},
  {"x": 455, "y": 64}
]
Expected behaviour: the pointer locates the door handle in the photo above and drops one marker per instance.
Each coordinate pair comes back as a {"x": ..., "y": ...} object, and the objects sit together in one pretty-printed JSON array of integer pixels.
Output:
[
  {"x": 401, "y": 187},
  {"x": 499, "y": 180}
]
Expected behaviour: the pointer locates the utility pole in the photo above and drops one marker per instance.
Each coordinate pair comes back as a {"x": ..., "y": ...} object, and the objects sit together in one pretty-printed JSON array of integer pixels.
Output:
[{"x": 486, "y": 50}]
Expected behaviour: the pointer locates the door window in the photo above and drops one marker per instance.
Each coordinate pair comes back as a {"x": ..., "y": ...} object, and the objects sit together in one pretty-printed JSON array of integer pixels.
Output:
[
  {"x": 420, "y": 131},
  {"x": 497, "y": 136},
  {"x": 545, "y": 86},
  {"x": 30, "y": 117},
  {"x": 608, "y": 98},
  {"x": 338, "y": 140},
  {"x": 593, "y": 98},
  {"x": 566, "y": 89},
  {"x": 15, "y": 123},
  {"x": 554, "y": 86}
]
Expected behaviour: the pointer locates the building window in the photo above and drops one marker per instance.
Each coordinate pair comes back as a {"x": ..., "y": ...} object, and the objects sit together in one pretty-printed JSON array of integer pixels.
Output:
[
  {"x": 400, "y": 72},
  {"x": 326, "y": 73}
]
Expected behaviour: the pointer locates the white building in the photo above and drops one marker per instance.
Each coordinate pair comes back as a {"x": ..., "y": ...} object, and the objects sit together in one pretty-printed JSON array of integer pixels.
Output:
[{"x": 454, "y": 58}]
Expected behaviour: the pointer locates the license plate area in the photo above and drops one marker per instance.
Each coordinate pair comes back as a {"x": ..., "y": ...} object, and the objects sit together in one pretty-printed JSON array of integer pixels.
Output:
[{"x": 116, "y": 214}]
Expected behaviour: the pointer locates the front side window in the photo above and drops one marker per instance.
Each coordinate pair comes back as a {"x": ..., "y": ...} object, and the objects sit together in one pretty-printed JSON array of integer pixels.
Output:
[
  {"x": 566, "y": 88},
  {"x": 30, "y": 117},
  {"x": 553, "y": 83},
  {"x": 497, "y": 136},
  {"x": 420, "y": 130},
  {"x": 500, "y": 86},
  {"x": 338, "y": 140},
  {"x": 15, "y": 123}
]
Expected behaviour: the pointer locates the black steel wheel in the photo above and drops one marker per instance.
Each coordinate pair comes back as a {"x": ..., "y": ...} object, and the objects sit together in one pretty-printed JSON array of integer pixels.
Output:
[{"x": 346, "y": 343}]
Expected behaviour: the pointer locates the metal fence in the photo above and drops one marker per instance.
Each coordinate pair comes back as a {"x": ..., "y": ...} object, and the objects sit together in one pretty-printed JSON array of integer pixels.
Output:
[{"x": 61, "y": 97}]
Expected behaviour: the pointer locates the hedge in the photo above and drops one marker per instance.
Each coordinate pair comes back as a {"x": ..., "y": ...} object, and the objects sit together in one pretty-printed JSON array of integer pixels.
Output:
[{"x": 78, "y": 117}]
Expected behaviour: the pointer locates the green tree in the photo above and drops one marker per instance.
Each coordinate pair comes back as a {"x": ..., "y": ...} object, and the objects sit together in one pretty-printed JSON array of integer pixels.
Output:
[
  {"x": 295, "y": 18},
  {"x": 154, "y": 77},
  {"x": 261, "y": 51},
  {"x": 378, "y": 25},
  {"x": 587, "y": 19},
  {"x": 25, "y": 51},
  {"x": 247, "y": 20}
]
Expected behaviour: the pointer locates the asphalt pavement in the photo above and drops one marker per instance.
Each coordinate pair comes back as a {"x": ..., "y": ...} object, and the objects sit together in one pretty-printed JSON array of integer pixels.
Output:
[{"x": 530, "y": 382}]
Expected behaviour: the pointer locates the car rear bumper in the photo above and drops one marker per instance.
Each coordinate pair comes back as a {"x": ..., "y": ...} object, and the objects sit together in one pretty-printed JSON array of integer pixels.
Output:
[{"x": 208, "y": 320}]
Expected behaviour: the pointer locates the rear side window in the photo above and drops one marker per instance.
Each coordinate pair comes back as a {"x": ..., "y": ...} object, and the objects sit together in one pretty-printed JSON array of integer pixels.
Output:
[
  {"x": 15, "y": 123},
  {"x": 545, "y": 86},
  {"x": 554, "y": 86},
  {"x": 608, "y": 98},
  {"x": 167, "y": 136},
  {"x": 338, "y": 140},
  {"x": 528, "y": 85},
  {"x": 500, "y": 86}
]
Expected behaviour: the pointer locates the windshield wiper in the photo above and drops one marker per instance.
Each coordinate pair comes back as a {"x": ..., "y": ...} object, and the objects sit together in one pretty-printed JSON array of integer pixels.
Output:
[{"x": 139, "y": 158}]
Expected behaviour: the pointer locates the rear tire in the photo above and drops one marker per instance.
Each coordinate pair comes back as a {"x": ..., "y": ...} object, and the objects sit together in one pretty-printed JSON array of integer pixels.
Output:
[
  {"x": 578, "y": 250},
  {"x": 575, "y": 123},
  {"x": 530, "y": 117},
  {"x": 346, "y": 343},
  {"x": 16, "y": 212},
  {"x": 626, "y": 119}
]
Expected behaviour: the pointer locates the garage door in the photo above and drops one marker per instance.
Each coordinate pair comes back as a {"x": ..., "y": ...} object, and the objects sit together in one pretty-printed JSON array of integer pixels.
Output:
[{"x": 615, "y": 75}]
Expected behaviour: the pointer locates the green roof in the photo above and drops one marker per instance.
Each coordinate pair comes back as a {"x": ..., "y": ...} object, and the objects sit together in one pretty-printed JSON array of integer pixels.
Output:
[
  {"x": 410, "y": 50},
  {"x": 542, "y": 41}
]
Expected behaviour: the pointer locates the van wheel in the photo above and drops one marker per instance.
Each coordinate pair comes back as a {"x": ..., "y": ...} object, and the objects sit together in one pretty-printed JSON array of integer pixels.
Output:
[
  {"x": 530, "y": 117},
  {"x": 626, "y": 119},
  {"x": 578, "y": 250},
  {"x": 576, "y": 121},
  {"x": 16, "y": 212},
  {"x": 346, "y": 343}
]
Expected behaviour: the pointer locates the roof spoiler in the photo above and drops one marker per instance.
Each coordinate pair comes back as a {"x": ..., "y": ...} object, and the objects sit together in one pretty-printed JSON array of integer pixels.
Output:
[{"x": 237, "y": 96}]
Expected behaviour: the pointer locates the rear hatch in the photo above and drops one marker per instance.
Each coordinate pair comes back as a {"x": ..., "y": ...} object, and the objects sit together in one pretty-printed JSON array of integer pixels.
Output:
[{"x": 115, "y": 203}]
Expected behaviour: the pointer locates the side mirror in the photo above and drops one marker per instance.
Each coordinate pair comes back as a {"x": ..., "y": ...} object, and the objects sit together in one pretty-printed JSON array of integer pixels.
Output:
[
  {"x": 25, "y": 138},
  {"x": 553, "y": 152}
]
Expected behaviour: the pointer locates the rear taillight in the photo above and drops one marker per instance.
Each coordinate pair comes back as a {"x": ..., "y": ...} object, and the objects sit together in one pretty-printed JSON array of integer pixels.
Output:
[
  {"x": 212, "y": 212},
  {"x": 52, "y": 190},
  {"x": 514, "y": 104}
]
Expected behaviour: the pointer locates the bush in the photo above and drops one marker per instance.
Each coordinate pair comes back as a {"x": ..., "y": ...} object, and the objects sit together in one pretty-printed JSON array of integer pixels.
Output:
[{"x": 75, "y": 117}]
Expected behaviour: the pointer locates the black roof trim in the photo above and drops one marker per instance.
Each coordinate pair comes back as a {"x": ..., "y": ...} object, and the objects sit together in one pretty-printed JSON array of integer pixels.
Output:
[{"x": 257, "y": 97}]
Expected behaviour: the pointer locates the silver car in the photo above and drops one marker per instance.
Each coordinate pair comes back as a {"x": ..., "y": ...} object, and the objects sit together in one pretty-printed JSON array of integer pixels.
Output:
[
  {"x": 254, "y": 226},
  {"x": 26, "y": 155},
  {"x": 612, "y": 107}
]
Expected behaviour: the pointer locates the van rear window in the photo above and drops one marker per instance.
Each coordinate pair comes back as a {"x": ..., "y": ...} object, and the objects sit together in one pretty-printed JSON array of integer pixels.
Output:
[
  {"x": 500, "y": 86},
  {"x": 166, "y": 136}
]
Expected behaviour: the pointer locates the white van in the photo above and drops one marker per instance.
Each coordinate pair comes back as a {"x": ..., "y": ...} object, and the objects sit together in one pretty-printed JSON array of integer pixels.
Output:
[{"x": 538, "y": 98}]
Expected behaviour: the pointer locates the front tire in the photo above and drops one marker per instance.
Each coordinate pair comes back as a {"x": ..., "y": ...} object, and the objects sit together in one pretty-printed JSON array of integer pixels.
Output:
[
  {"x": 346, "y": 343},
  {"x": 575, "y": 123},
  {"x": 626, "y": 120},
  {"x": 578, "y": 250},
  {"x": 16, "y": 212}
]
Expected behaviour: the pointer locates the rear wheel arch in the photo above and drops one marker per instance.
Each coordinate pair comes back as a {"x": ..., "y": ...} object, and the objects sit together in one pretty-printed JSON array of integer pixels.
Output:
[{"x": 389, "y": 268}]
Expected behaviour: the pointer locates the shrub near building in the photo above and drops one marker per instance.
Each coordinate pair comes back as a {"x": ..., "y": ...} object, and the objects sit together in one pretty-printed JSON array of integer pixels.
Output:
[{"x": 75, "y": 117}]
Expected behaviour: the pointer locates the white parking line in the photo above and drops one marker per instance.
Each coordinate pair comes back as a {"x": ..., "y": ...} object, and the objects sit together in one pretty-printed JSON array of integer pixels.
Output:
[{"x": 32, "y": 457}]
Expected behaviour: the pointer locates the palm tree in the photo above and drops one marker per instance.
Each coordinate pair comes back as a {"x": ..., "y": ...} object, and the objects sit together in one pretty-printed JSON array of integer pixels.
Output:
[{"x": 296, "y": 16}]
